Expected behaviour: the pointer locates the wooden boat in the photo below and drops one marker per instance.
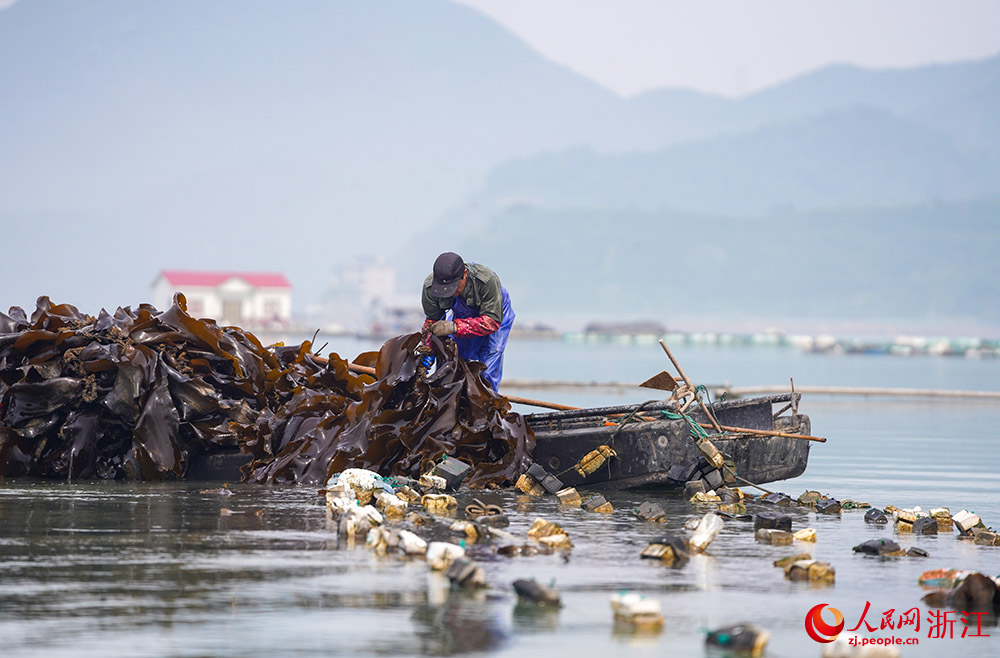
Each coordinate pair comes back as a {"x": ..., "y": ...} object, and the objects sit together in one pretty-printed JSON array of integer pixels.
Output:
[{"x": 648, "y": 443}]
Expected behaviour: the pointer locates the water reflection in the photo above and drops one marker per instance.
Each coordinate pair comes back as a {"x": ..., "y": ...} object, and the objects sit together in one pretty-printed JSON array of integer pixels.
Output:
[
  {"x": 456, "y": 621},
  {"x": 530, "y": 618}
]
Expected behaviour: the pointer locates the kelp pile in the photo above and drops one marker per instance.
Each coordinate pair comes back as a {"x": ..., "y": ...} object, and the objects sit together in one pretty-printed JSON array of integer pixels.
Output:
[
  {"x": 141, "y": 393},
  {"x": 398, "y": 426}
]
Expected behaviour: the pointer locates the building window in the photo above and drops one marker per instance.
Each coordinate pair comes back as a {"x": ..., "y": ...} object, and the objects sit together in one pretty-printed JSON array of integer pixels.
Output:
[
  {"x": 196, "y": 306},
  {"x": 272, "y": 308}
]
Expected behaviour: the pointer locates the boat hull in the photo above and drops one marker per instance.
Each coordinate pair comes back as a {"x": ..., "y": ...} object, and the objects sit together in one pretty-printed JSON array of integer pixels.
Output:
[{"x": 646, "y": 450}]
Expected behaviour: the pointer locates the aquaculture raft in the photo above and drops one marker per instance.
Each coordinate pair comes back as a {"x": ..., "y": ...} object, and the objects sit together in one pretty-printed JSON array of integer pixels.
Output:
[{"x": 649, "y": 442}]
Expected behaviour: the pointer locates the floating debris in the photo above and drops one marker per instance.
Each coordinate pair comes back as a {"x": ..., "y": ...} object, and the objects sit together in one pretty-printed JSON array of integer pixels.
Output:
[
  {"x": 569, "y": 497},
  {"x": 471, "y": 530},
  {"x": 391, "y": 506},
  {"x": 479, "y": 510},
  {"x": 965, "y": 521},
  {"x": 432, "y": 482},
  {"x": 827, "y": 506},
  {"x": 409, "y": 543},
  {"x": 526, "y": 550},
  {"x": 772, "y": 520},
  {"x": 925, "y": 525},
  {"x": 438, "y": 502},
  {"x": 407, "y": 494},
  {"x": 785, "y": 561},
  {"x": 440, "y": 554},
  {"x": 776, "y": 499},
  {"x": 598, "y": 503},
  {"x": 693, "y": 488},
  {"x": 985, "y": 537},
  {"x": 809, "y": 497},
  {"x": 529, "y": 485},
  {"x": 942, "y": 578},
  {"x": 812, "y": 570},
  {"x": 637, "y": 610},
  {"x": 358, "y": 521},
  {"x": 806, "y": 534},
  {"x": 972, "y": 591},
  {"x": 549, "y": 533},
  {"x": 943, "y": 517},
  {"x": 882, "y": 547},
  {"x": 534, "y": 592},
  {"x": 652, "y": 512},
  {"x": 729, "y": 496},
  {"x": 706, "y": 497},
  {"x": 465, "y": 573},
  {"x": 875, "y": 515},
  {"x": 705, "y": 532},
  {"x": 743, "y": 639},
  {"x": 774, "y": 537},
  {"x": 669, "y": 549},
  {"x": 547, "y": 481},
  {"x": 452, "y": 470}
]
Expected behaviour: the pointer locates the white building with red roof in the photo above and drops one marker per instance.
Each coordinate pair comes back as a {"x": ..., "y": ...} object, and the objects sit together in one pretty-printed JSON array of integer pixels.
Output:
[{"x": 244, "y": 299}]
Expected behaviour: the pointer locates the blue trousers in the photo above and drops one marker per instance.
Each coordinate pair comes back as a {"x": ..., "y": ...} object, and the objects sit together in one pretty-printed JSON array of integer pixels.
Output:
[{"x": 488, "y": 350}]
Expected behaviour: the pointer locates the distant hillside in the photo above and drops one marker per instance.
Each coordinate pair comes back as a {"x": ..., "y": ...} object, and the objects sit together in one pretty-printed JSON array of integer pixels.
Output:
[
  {"x": 859, "y": 157},
  {"x": 928, "y": 261}
]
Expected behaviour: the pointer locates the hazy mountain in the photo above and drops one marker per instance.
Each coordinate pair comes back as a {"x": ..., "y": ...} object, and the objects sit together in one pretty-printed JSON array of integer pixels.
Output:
[
  {"x": 859, "y": 157},
  {"x": 933, "y": 260},
  {"x": 960, "y": 100}
]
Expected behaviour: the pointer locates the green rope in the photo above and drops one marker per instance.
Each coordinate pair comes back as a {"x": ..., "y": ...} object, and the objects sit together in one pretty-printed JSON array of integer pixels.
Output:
[{"x": 696, "y": 430}]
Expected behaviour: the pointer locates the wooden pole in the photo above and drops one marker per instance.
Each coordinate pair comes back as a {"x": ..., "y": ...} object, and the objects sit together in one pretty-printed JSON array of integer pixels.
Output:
[
  {"x": 541, "y": 403},
  {"x": 353, "y": 367},
  {"x": 670, "y": 356},
  {"x": 694, "y": 391},
  {"x": 747, "y": 430}
]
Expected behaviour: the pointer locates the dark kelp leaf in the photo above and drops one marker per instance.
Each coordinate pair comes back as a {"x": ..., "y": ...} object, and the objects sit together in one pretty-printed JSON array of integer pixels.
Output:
[{"x": 138, "y": 392}]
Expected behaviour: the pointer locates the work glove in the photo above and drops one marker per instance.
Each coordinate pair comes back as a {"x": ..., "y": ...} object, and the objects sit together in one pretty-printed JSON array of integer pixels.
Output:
[
  {"x": 427, "y": 361},
  {"x": 443, "y": 328}
]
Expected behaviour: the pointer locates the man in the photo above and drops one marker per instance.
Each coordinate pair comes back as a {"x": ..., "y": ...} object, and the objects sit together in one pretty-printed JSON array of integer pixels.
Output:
[{"x": 481, "y": 312}]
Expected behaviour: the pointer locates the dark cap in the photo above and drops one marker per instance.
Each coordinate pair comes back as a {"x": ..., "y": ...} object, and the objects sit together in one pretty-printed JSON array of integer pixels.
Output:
[{"x": 448, "y": 270}]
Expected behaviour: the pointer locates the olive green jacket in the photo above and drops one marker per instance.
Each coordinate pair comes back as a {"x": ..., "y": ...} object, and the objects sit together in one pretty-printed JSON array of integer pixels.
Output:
[{"x": 482, "y": 291}]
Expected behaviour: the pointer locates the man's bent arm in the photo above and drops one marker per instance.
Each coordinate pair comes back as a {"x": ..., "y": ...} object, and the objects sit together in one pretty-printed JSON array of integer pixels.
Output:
[{"x": 484, "y": 325}]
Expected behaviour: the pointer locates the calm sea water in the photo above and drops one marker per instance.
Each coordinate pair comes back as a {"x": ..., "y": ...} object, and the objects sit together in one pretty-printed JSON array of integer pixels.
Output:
[{"x": 134, "y": 569}]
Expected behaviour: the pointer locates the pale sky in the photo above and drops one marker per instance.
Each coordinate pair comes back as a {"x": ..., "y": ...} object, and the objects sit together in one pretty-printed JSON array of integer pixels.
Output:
[{"x": 734, "y": 47}]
